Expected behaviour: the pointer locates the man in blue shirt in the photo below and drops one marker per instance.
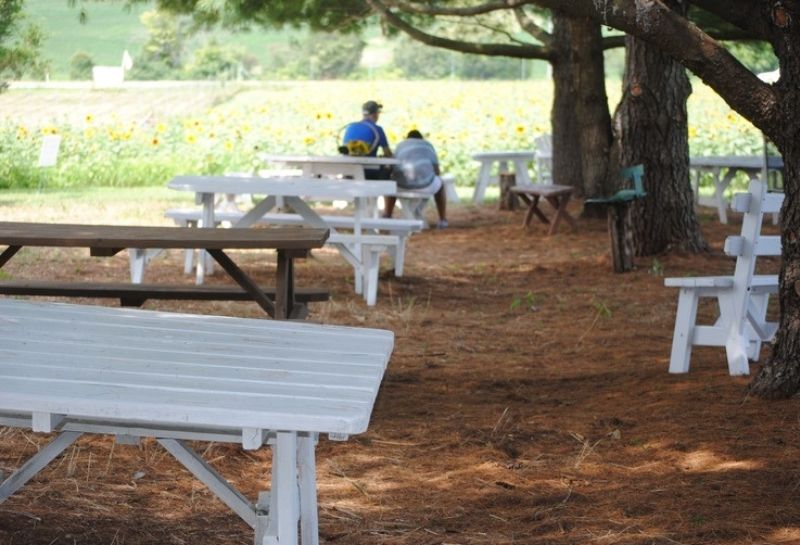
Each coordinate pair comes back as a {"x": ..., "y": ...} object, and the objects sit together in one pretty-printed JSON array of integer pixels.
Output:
[{"x": 365, "y": 137}]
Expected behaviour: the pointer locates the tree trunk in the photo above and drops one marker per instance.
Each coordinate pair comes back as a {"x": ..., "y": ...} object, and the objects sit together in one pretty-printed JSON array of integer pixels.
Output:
[
  {"x": 593, "y": 117},
  {"x": 651, "y": 129},
  {"x": 780, "y": 376},
  {"x": 567, "y": 168}
]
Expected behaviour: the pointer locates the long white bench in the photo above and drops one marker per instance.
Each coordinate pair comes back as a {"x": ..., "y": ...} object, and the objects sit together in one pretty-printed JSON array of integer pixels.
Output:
[
  {"x": 741, "y": 326},
  {"x": 399, "y": 228},
  {"x": 71, "y": 369}
]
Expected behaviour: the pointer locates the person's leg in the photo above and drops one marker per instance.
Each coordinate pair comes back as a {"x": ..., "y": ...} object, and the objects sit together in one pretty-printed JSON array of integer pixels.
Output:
[
  {"x": 441, "y": 204},
  {"x": 388, "y": 206}
]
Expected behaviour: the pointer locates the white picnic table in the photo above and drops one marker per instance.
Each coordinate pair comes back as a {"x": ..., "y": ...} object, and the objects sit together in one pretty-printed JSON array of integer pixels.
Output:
[
  {"x": 354, "y": 166},
  {"x": 71, "y": 369},
  {"x": 359, "y": 249},
  {"x": 487, "y": 159},
  {"x": 752, "y": 165}
]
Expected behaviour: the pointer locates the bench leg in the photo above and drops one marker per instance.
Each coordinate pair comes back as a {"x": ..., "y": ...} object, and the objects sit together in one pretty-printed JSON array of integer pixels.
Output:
[
  {"x": 737, "y": 339},
  {"x": 685, "y": 319},
  {"x": 372, "y": 261},
  {"x": 36, "y": 463},
  {"x": 138, "y": 260},
  {"x": 399, "y": 255}
]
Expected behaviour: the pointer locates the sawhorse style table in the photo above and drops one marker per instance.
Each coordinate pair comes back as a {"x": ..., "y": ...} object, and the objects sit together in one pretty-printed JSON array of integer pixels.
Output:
[
  {"x": 520, "y": 159},
  {"x": 557, "y": 195},
  {"x": 109, "y": 240},
  {"x": 71, "y": 369}
]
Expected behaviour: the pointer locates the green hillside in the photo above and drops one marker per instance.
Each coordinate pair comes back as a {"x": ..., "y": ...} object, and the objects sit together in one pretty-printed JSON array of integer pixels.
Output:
[{"x": 112, "y": 28}]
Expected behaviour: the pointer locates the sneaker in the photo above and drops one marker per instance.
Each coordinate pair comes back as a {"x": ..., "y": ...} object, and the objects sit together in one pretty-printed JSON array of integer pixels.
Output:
[{"x": 442, "y": 224}]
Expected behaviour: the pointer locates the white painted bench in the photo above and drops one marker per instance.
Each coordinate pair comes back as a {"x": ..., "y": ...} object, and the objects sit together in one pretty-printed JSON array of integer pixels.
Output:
[
  {"x": 389, "y": 235},
  {"x": 399, "y": 228},
  {"x": 71, "y": 369},
  {"x": 742, "y": 298}
]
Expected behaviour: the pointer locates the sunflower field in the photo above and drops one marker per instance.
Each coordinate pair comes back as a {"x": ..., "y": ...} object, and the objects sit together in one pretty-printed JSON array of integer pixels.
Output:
[{"x": 139, "y": 136}]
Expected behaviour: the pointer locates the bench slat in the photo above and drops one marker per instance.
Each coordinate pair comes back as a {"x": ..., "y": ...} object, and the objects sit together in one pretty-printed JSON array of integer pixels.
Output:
[{"x": 143, "y": 292}]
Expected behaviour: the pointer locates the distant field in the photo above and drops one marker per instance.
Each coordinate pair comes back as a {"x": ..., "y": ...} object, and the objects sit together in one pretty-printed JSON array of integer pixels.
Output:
[
  {"x": 111, "y": 29},
  {"x": 143, "y": 135}
]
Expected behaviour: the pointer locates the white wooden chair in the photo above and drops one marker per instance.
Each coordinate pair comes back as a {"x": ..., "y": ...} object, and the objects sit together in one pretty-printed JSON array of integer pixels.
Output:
[
  {"x": 544, "y": 159},
  {"x": 742, "y": 298}
]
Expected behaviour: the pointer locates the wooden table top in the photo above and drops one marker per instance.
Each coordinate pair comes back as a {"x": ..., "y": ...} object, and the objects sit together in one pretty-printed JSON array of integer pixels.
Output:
[{"x": 130, "y": 236}]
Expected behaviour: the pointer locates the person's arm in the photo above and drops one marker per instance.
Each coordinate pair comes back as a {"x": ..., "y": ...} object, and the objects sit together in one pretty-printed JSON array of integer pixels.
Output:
[{"x": 387, "y": 152}]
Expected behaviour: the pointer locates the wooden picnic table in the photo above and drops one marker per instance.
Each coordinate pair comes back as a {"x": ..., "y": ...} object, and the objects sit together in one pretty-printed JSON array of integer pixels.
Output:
[
  {"x": 72, "y": 369},
  {"x": 108, "y": 240},
  {"x": 558, "y": 196}
]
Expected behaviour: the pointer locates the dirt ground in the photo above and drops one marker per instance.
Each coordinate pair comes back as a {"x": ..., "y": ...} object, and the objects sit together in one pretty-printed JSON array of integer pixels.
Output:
[{"x": 527, "y": 401}]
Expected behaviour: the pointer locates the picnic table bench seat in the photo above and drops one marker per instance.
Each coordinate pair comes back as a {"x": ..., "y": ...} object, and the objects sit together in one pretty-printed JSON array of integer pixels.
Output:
[
  {"x": 135, "y": 295},
  {"x": 73, "y": 369},
  {"x": 392, "y": 233},
  {"x": 742, "y": 298}
]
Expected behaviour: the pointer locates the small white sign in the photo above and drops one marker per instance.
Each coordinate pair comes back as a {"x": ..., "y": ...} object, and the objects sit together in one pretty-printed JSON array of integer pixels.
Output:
[{"x": 49, "y": 151}]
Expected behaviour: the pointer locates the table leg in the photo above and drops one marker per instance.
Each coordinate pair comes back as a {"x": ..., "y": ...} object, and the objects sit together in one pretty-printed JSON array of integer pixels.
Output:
[
  {"x": 521, "y": 172},
  {"x": 719, "y": 192},
  {"x": 307, "y": 473},
  {"x": 483, "y": 181},
  {"x": 560, "y": 205},
  {"x": 284, "y": 288},
  {"x": 245, "y": 281},
  {"x": 8, "y": 253},
  {"x": 208, "y": 223},
  {"x": 284, "y": 513}
]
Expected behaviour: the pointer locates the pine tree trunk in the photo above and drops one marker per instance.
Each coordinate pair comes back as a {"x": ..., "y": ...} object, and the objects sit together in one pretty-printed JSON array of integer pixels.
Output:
[
  {"x": 780, "y": 376},
  {"x": 593, "y": 117},
  {"x": 567, "y": 169},
  {"x": 651, "y": 129}
]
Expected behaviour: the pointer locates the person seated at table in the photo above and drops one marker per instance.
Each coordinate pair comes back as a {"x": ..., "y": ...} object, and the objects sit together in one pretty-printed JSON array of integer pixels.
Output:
[
  {"x": 418, "y": 172},
  {"x": 366, "y": 137}
]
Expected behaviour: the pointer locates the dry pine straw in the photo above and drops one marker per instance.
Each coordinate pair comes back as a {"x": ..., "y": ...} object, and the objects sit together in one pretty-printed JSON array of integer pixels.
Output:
[{"x": 527, "y": 401}]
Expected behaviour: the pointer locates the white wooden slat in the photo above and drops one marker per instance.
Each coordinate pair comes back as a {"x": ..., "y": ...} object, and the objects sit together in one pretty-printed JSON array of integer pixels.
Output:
[
  {"x": 314, "y": 188},
  {"x": 699, "y": 282},
  {"x": 230, "y": 411},
  {"x": 767, "y": 245},
  {"x": 167, "y": 383},
  {"x": 160, "y": 348},
  {"x": 772, "y": 203},
  {"x": 194, "y": 323},
  {"x": 262, "y": 369},
  {"x": 177, "y": 331}
]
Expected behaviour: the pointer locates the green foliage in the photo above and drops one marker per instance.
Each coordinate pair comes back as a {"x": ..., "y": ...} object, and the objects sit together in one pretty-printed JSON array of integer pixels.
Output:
[
  {"x": 757, "y": 56},
  {"x": 20, "y": 44},
  {"x": 162, "y": 54},
  {"x": 322, "y": 56},
  {"x": 215, "y": 61},
  {"x": 529, "y": 301},
  {"x": 80, "y": 66}
]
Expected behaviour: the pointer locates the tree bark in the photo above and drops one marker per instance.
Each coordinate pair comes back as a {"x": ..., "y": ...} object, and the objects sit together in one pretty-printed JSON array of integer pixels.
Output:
[
  {"x": 651, "y": 129},
  {"x": 567, "y": 167},
  {"x": 780, "y": 376},
  {"x": 593, "y": 116}
]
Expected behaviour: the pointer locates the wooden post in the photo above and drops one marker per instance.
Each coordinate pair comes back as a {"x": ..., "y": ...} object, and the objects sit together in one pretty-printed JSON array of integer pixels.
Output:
[
  {"x": 508, "y": 200},
  {"x": 621, "y": 237}
]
